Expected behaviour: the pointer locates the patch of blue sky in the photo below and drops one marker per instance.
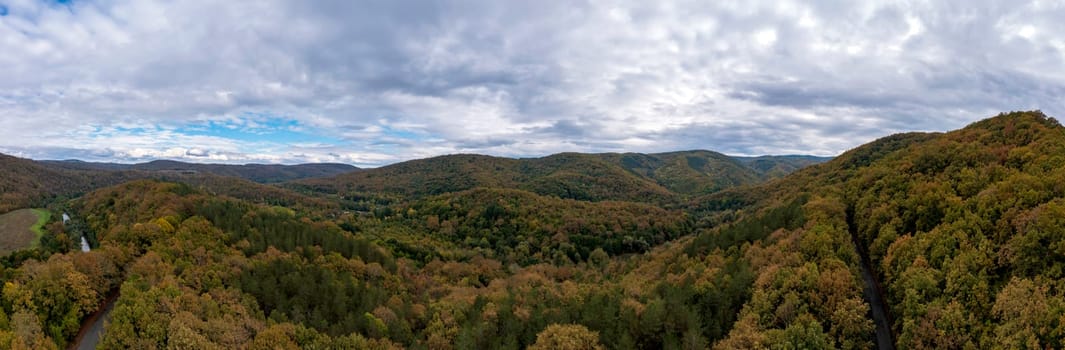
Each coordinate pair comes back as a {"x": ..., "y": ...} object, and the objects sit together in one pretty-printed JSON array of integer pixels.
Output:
[
  {"x": 255, "y": 128},
  {"x": 3, "y": 10},
  {"x": 125, "y": 130},
  {"x": 403, "y": 134}
]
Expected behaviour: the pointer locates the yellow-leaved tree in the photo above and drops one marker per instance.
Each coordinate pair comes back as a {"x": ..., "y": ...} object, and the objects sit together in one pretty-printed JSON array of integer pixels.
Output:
[{"x": 566, "y": 337}]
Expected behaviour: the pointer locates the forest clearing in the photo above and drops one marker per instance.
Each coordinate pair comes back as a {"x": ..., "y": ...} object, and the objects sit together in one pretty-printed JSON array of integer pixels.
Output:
[{"x": 21, "y": 228}]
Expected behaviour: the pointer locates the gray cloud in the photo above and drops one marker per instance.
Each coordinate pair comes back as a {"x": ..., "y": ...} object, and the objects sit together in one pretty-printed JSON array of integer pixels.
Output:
[{"x": 383, "y": 81}]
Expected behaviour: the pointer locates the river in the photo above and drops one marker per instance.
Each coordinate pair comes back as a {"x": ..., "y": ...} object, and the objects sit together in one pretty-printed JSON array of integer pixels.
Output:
[
  {"x": 84, "y": 242},
  {"x": 93, "y": 326}
]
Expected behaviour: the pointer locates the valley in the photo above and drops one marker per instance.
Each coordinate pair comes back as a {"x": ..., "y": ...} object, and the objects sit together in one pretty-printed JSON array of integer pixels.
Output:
[
  {"x": 563, "y": 175},
  {"x": 919, "y": 240}
]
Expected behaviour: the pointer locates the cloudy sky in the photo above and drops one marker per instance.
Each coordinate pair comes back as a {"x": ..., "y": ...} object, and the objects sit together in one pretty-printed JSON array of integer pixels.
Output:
[{"x": 375, "y": 82}]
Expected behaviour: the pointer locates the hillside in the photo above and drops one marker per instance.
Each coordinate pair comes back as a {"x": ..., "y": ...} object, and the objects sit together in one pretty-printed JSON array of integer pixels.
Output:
[
  {"x": 25, "y": 183},
  {"x": 653, "y": 178},
  {"x": 262, "y": 173},
  {"x": 21, "y": 228},
  {"x": 567, "y": 175},
  {"x": 687, "y": 172},
  {"x": 961, "y": 231},
  {"x": 779, "y": 166}
]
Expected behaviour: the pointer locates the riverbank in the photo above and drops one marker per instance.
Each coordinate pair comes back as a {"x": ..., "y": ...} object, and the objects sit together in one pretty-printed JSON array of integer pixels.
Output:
[{"x": 92, "y": 327}]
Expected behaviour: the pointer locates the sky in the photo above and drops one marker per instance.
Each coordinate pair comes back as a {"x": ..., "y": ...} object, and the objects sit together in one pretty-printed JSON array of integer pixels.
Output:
[{"x": 370, "y": 82}]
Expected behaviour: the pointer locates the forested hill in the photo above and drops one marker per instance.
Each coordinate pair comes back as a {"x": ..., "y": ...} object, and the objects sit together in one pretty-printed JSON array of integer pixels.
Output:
[
  {"x": 26, "y": 183},
  {"x": 779, "y": 166},
  {"x": 263, "y": 173},
  {"x": 654, "y": 178},
  {"x": 964, "y": 232}
]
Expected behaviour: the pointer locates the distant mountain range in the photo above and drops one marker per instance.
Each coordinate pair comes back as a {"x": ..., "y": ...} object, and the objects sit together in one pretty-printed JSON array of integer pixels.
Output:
[
  {"x": 25, "y": 182},
  {"x": 652, "y": 178},
  {"x": 262, "y": 173}
]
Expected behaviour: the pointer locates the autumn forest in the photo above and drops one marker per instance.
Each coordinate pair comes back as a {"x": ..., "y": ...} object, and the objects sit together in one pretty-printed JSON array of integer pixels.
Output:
[{"x": 949, "y": 240}]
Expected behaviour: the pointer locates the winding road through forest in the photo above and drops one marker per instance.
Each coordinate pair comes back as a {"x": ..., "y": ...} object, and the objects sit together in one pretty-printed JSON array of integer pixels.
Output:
[{"x": 874, "y": 295}]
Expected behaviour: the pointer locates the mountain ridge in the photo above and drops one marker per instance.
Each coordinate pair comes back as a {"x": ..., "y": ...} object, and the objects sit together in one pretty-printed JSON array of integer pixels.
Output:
[
  {"x": 26, "y": 182},
  {"x": 262, "y": 173},
  {"x": 956, "y": 230},
  {"x": 656, "y": 177}
]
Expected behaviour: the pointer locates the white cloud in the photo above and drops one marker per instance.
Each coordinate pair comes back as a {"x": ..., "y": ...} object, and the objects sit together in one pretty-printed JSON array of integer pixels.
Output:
[
  {"x": 766, "y": 37},
  {"x": 387, "y": 81}
]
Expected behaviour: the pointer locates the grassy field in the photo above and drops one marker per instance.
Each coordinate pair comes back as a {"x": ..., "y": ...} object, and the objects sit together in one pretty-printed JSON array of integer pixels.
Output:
[
  {"x": 38, "y": 228},
  {"x": 22, "y": 228}
]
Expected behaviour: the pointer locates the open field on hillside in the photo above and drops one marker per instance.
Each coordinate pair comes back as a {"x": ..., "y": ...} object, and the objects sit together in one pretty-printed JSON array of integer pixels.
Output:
[{"x": 21, "y": 228}]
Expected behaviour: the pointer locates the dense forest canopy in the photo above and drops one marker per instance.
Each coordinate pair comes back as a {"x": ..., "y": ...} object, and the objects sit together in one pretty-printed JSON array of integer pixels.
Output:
[{"x": 961, "y": 234}]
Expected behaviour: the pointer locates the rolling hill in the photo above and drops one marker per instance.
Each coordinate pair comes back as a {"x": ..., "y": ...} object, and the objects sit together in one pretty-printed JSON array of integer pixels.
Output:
[
  {"x": 687, "y": 172},
  {"x": 654, "y": 178},
  {"x": 567, "y": 175},
  {"x": 779, "y": 166},
  {"x": 25, "y": 183}
]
